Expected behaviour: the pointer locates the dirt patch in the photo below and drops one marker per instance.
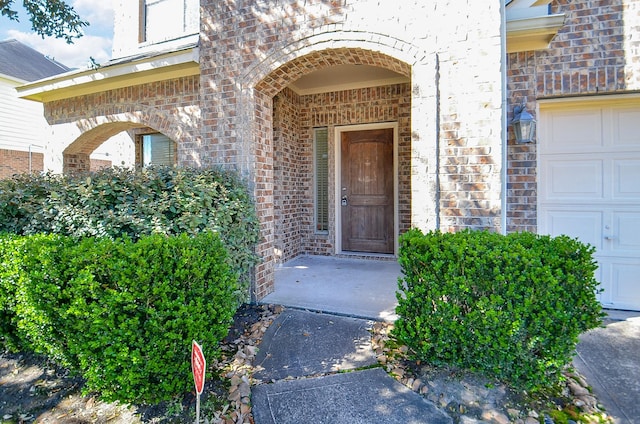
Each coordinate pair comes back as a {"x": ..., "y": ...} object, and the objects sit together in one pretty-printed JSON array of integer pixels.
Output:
[{"x": 33, "y": 389}]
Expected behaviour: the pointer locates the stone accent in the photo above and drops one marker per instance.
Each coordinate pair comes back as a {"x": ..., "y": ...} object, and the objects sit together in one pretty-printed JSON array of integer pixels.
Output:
[
  {"x": 591, "y": 55},
  {"x": 18, "y": 162}
]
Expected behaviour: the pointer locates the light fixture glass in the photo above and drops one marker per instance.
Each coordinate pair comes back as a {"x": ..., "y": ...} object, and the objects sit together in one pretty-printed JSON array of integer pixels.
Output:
[{"x": 524, "y": 126}]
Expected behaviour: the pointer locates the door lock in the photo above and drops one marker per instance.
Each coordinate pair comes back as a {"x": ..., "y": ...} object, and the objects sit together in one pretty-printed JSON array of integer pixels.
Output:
[{"x": 344, "y": 201}]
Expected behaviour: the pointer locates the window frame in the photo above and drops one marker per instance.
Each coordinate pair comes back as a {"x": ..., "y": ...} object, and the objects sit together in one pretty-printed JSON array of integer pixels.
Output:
[
  {"x": 150, "y": 136},
  {"x": 321, "y": 181}
]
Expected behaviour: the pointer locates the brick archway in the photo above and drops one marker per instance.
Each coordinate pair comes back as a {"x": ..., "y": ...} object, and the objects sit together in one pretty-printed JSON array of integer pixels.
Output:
[
  {"x": 98, "y": 129},
  {"x": 272, "y": 75}
]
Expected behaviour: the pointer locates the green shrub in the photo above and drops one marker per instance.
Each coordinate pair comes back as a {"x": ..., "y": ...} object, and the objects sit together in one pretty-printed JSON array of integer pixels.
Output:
[
  {"x": 10, "y": 279},
  {"x": 124, "y": 313},
  {"x": 41, "y": 258},
  {"x": 509, "y": 306},
  {"x": 121, "y": 202}
]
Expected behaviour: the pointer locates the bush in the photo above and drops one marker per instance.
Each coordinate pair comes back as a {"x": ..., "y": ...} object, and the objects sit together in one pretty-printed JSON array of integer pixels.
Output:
[
  {"x": 124, "y": 313},
  {"x": 11, "y": 247},
  {"x": 509, "y": 306},
  {"x": 118, "y": 202}
]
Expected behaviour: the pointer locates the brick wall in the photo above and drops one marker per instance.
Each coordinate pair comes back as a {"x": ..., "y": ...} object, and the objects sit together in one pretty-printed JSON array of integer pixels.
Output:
[
  {"x": 590, "y": 55},
  {"x": 292, "y": 176},
  {"x": 295, "y": 118},
  {"x": 170, "y": 107},
  {"x": 98, "y": 164},
  {"x": 390, "y": 103},
  {"x": 18, "y": 162},
  {"x": 450, "y": 49},
  {"x": 449, "y": 117}
]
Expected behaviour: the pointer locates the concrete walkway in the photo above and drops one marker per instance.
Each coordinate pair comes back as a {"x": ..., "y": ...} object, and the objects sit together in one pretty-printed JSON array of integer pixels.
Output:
[
  {"x": 354, "y": 287},
  {"x": 609, "y": 357},
  {"x": 317, "y": 369}
]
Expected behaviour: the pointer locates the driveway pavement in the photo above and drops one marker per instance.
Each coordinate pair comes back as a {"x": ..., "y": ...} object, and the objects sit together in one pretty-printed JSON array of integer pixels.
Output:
[{"x": 609, "y": 358}]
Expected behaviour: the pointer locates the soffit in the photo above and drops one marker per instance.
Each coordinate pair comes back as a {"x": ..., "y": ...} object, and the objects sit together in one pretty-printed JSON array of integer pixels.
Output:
[
  {"x": 123, "y": 73},
  {"x": 530, "y": 26},
  {"x": 345, "y": 77}
]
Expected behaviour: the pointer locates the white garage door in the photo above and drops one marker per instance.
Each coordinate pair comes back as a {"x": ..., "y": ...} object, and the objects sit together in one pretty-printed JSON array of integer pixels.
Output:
[{"x": 589, "y": 187}]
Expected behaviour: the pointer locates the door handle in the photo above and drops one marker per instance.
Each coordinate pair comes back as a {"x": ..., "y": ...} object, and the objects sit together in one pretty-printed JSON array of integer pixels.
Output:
[
  {"x": 607, "y": 237},
  {"x": 344, "y": 201}
]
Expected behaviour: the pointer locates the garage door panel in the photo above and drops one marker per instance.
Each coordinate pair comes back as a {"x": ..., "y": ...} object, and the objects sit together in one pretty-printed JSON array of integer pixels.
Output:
[
  {"x": 574, "y": 179},
  {"x": 585, "y": 225},
  {"x": 626, "y": 179},
  {"x": 572, "y": 131},
  {"x": 589, "y": 188},
  {"x": 626, "y": 127},
  {"x": 627, "y": 237},
  {"x": 626, "y": 292}
]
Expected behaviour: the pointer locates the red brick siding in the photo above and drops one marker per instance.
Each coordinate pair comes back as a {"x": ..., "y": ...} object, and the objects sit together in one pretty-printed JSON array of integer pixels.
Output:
[
  {"x": 295, "y": 118},
  {"x": 170, "y": 107},
  {"x": 293, "y": 177},
  {"x": 98, "y": 164},
  {"x": 17, "y": 162}
]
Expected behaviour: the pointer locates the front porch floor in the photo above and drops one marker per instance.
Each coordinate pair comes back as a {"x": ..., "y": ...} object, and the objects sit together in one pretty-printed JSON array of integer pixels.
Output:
[{"x": 363, "y": 288}]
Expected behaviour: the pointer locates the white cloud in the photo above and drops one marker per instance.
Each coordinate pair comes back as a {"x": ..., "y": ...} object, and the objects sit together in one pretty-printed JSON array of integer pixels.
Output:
[
  {"x": 74, "y": 55},
  {"x": 95, "y": 43},
  {"x": 99, "y": 13}
]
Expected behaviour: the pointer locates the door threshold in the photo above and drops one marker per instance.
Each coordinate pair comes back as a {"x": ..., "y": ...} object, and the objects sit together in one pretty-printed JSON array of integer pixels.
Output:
[{"x": 367, "y": 255}]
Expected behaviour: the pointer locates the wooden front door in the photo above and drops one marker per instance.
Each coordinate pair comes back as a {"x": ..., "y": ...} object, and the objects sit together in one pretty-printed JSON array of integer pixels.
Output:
[{"x": 366, "y": 191}]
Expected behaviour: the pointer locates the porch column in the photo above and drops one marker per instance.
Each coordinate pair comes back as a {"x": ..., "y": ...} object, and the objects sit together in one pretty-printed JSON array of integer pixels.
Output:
[{"x": 424, "y": 147}]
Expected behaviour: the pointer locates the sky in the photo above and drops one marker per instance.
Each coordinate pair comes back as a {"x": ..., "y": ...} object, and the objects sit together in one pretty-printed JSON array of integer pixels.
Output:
[{"x": 95, "y": 43}]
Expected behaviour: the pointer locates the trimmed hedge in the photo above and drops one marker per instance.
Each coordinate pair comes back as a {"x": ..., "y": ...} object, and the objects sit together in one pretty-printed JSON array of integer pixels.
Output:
[
  {"x": 120, "y": 312},
  {"x": 117, "y": 202},
  {"x": 509, "y": 306}
]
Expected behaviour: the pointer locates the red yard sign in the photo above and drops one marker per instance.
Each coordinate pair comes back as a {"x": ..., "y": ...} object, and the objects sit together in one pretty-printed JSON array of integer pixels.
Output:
[{"x": 198, "y": 366}]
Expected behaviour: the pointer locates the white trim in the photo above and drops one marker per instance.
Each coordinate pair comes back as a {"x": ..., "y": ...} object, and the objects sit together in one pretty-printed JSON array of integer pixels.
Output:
[
  {"x": 338, "y": 177},
  {"x": 581, "y": 101},
  {"x": 532, "y": 33},
  {"x": 76, "y": 83},
  {"x": 504, "y": 148}
]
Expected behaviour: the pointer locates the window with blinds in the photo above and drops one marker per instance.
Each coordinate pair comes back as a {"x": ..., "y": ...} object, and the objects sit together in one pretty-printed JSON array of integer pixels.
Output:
[
  {"x": 321, "y": 165},
  {"x": 158, "y": 149}
]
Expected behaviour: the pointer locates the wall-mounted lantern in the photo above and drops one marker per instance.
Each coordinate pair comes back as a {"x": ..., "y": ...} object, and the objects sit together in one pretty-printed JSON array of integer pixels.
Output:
[{"x": 524, "y": 126}]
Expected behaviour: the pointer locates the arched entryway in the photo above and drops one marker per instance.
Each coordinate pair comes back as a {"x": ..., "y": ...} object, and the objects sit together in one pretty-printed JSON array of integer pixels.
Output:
[{"x": 290, "y": 125}]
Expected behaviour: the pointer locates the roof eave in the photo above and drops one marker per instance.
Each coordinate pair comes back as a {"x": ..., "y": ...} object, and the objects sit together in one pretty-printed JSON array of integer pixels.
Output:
[
  {"x": 532, "y": 33},
  {"x": 140, "y": 71}
]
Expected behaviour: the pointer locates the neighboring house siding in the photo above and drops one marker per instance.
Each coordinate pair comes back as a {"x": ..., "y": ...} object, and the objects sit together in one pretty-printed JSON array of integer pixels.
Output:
[
  {"x": 595, "y": 53},
  {"x": 14, "y": 162},
  {"x": 22, "y": 130}
]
